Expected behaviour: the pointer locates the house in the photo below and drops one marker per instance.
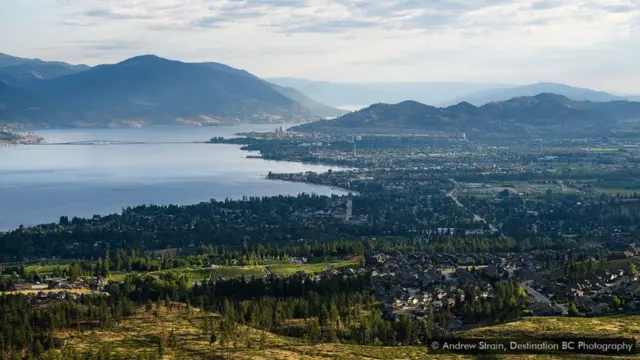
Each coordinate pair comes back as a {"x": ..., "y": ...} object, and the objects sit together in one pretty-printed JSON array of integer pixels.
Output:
[
  {"x": 492, "y": 271},
  {"x": 97, "y": 284},
  {"x": 599, "y": 308},
  {"x": 377, "y": 259},
  {"x": 298, "y": 260},
  {"x": 542, "y": 309},
  {"x": 58, "y": 283},
  {"x": 633, "y": 289},
  {"x": 18, "y": 287},
  {"x": 524, "y": 274},
  {"x": 39, "y": 286}
]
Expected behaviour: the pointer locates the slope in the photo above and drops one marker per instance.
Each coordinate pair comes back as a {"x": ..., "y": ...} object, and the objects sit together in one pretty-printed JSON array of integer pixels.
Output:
[
  {"x": 318, "y": 108},
  {"x": 556, "y": 327},
  {"x": 14, "y": 100},
  {"x": 149, "y": 90},
  {"x": 574, "y": 93},
  {"x": 138, "y": 336}
]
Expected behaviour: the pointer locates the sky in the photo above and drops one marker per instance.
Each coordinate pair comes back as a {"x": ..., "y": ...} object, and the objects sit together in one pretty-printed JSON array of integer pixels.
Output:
[{"x": 590, "y": 43}]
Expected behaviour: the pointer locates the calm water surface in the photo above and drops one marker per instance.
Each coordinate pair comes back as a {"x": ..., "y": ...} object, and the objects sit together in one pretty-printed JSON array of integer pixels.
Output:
[{"x": 40, "y": 183}]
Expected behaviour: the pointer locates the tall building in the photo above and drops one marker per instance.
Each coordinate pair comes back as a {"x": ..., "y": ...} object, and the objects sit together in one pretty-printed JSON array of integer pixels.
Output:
[{"x": 349, "y": 213}]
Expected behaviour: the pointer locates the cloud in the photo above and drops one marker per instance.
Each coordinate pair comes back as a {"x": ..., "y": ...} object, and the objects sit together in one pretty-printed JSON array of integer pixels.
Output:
[
  {"x": 545, "y": 4},
  {"x": 495, "y": 40},
  {"x": 342, "y": 16},
  {"x": 108, "y": 14},
  {"x": 620, "y": 8},
  {"x": 327, "y": 26},
  {"x": 226, "y": 17}
]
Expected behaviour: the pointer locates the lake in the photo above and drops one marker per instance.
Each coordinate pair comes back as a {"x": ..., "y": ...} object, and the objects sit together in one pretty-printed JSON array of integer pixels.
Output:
[{"x": 40, "y": 183}]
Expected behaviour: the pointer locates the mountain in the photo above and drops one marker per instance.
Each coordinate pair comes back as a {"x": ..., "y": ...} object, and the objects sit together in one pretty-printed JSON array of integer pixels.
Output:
[
  {"x": 28, "y": 74},
  {"x": 8, "y": 60},
  {"x": 293, "y": 94},
  {"x": 544, "y": 114},
  {"x": 349, "y": 95},
  {"x": 23, "y": 72},
  {"x": 148, "y": 90},
  {"x": 14, "y": 99},
  {"x": 318, "y": 108},
  {"x": 502, "y": 94}
]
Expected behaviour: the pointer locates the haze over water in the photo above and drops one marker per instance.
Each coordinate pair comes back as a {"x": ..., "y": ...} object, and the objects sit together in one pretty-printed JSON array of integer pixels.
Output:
[{"x": 40, "y": 183}]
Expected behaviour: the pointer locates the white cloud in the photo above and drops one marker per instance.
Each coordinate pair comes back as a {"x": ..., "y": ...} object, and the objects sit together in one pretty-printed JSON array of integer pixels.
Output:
[{"x": 514, "y": 41}]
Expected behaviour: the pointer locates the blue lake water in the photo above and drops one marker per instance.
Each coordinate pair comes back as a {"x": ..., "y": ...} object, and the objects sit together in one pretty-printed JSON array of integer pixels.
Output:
[{"x": 40, "y": 183}]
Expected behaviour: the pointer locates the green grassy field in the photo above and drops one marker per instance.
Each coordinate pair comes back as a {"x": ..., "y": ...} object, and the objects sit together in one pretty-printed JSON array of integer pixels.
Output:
[
  {"x": 285, "y": 269},
  {"x": 47, "y": 269},
  {"x": 280, "y": 268},
  {"x": 603, "y": 149}
]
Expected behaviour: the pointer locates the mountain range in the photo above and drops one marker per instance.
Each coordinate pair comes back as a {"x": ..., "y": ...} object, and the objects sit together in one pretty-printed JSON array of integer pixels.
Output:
[
  {"x": 353, "y": 96},
  {"x": 543, "y": 114},
  {"x": 358, "y": 95},
  {"x": 574, "y": 93},
  {"x": 145, "y": 90},
  {"x": 150, "y": 90}
]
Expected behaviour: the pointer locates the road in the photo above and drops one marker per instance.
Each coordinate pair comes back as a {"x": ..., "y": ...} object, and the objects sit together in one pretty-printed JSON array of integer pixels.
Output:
[
  {"x": 564, "y": 188},
  {"x": 537, "y": 297},
  {"x": 453, "y": 195}
]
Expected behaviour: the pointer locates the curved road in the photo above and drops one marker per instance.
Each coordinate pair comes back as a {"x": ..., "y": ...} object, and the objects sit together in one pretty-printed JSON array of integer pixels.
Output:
[{"x": 453, "y": 195}]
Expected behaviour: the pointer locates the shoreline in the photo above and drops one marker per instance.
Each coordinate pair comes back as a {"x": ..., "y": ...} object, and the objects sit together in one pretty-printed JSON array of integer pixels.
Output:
[{"x": 320, "y": 189}]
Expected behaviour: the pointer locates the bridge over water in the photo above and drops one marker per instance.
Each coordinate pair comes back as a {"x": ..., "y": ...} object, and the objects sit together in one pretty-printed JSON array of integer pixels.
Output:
[{"x": 121, "y": 142}]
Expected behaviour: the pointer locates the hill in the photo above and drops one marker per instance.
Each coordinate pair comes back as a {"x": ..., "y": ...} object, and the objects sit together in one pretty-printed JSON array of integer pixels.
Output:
[
  {"x": 556, "y": 327},
  {"x": 502, "y": 94},
  {"x": 148, "y": 90},
  {"x": 543, "y": 114},
  {"x": 139, "y": 334},
  {"x": 350, "y": 95}
]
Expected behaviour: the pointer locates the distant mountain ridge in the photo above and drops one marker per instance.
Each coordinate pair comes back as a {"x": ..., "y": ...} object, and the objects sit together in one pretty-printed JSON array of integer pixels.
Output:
[
  {"x": 364, "y": 94},
  {"x": 147, "y": 90},
  {"x": 359, "y": 95},
  {"x": 16, "y": 71},
  {"x": 545, "y": 113},
  {"x": 8, "y": 60},
  {"x": 502, "y": 94}
]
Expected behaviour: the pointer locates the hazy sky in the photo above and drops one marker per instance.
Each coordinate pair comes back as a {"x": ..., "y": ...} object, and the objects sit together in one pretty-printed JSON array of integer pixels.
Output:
[{"x": 594, "y": 43}]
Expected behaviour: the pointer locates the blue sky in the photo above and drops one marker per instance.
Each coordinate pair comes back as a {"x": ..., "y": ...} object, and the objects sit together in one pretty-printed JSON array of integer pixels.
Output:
[{"x": 592, "y": 43}]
